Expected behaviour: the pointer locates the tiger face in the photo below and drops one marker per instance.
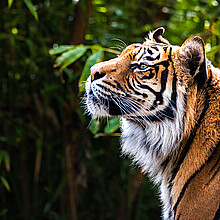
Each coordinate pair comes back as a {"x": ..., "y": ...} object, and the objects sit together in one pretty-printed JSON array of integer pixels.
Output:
[{"x": 141, "y": 84}]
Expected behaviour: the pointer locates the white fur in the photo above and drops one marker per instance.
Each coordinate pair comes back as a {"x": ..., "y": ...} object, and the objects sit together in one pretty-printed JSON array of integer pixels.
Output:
[{"x": 162, "y": 136}]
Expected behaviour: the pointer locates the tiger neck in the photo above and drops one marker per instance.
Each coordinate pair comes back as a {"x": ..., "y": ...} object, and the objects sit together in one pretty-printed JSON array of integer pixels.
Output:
[
  {"x": 167, "y": 152},
  {"x": 161, "y": 148}
]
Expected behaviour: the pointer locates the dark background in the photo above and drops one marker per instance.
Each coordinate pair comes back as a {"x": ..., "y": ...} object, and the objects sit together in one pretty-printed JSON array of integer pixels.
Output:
[{"x": 54, "y": 162}]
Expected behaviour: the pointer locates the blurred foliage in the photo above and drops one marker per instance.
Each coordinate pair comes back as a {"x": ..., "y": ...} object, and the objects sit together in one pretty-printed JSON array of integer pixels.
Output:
[
  {"x": 186, "y": 18},
  {"x": 51, "y": 166}
]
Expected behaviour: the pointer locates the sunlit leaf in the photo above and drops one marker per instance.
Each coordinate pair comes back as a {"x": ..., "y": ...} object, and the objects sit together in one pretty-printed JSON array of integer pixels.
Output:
[
  {"x": 4, "y": 156},
  {"x": 216, "y": 28},
  {"x": 113, "y": 125},
  {"x": 61, "y": 49},
  {"x": 93, "y": 59},
  {"x": 10, "y": 2},
  {"x": 71, "y": 56},
  {"x": 94, "y": 126},
  {"x": 5, "y": 183},
  {"x": 31, "y": 8},
  {"x": 214, "y": 50}
]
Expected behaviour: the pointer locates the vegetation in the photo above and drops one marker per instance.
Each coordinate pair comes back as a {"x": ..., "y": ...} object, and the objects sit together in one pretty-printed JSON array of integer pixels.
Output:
[{"x": 51, "y": 165}]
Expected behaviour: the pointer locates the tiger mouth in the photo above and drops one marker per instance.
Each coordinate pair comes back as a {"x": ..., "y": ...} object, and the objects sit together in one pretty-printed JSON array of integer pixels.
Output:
[{"x": 107, "y": 102}]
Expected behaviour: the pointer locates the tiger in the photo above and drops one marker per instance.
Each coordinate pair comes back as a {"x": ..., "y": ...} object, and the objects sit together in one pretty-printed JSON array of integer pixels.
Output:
[{"x": 168, "y": 98}]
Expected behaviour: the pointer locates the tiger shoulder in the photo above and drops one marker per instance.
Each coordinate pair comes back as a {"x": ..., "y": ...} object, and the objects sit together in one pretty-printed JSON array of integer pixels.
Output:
[{"x": 169, "y": 100}]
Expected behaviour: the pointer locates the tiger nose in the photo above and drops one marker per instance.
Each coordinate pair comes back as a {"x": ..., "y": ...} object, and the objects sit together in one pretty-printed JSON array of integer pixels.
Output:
[{"x": 96, "y": 73}]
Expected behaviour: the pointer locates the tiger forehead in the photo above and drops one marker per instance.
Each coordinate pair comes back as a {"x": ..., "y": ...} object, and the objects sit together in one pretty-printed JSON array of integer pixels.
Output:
[
  {"x": 140, "y": 49},
  {"x": 131, "y": 49}
]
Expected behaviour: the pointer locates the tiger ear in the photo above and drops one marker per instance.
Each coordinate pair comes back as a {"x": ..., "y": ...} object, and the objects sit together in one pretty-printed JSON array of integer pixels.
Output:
[
  {"x": 156, "y": 36},
  {"x": 193, "y": 58}
]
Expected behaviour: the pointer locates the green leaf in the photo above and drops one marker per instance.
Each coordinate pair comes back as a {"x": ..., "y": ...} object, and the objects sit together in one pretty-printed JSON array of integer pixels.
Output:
[
  {"x": 5, "y": 156},
  {"x": 3, "y": 212},
  {"x": 214, "y": 50},
  {"x": 10, "y": 3},
  {"x": 113, "y": 125},
  {"x": 5, "y": 183},
  {"x": 3, "y": 36},
  {"x": 31, "y": 8},
  {"x": 61, "y": 49},
  {"x": 93, "y": 59},
  {"x": 71, "y": 56},
  {"x": 94, "y": 126},
  {"x": 216, "y": 29},
  {"x": 56, "y": 194}
]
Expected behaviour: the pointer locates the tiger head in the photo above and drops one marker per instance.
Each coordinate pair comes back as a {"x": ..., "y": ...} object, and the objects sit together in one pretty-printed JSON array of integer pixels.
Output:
[{"x": 146, "y": 80}]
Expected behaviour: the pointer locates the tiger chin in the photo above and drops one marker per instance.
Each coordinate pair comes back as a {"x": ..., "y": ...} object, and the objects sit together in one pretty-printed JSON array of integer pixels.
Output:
[{"x": 169, "y": 100}]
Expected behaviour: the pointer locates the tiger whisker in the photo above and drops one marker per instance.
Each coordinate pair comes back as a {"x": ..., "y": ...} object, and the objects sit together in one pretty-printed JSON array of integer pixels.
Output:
[{"x": 117, "y": 39}]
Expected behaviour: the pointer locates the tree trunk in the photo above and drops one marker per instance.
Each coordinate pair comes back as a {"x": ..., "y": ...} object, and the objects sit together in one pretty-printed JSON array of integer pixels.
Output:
[
  {"x": 125, "y": 208},
  {"x": 80, "y": 22},
  {"x": 72, "y": 122}
]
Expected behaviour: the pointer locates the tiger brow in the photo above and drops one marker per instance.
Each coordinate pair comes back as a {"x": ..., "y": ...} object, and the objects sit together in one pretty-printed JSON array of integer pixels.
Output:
[
  {"x": 142, "y": 53},
  {"x": 137, "y": 53}
]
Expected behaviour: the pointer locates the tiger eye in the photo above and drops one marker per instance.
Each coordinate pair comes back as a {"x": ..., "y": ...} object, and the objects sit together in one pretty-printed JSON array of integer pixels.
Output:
[{"x": 143, "y": 66}]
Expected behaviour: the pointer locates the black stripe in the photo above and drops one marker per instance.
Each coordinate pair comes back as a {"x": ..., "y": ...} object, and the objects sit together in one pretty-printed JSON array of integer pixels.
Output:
[
  {"x": 142, "y": 86},
  {"x": 201, "y": 76},
  {"x": 142, "y": 54},
  {"x": 108, "y": 83},
  {"x": 191, "y": 137},
  {"x": 217, "y": 214},
  {"x": 118, "y": 85},
  {"x": 215, "y": 166},
  {"x": 174, "y": 92},
  {"x": 213, "y": 176},
  {"x": 132, "y": 89},
  {"x": 189, "y": 180},
  {"x": 149, "y": 51},
  {"x": 134, "y": 84},
  {"x": 148, "y": 75},
  {"x": 154, "y": 46},
  {"x": 112, "y": 92},
  {"x": 165, "y": 48},
  {"x": 164, "y": 75},
  {"x": 149, "y": 58},
  {"x": 156, "y": 70},
  {"x": 137, "y": 53},
  {"x": 216, "y": 163},
  {"x": 178, "y": 216}
]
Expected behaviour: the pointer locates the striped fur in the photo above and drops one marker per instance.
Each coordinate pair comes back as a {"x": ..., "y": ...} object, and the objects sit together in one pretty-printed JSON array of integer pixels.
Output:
[{"x": 169, "y": 100}]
